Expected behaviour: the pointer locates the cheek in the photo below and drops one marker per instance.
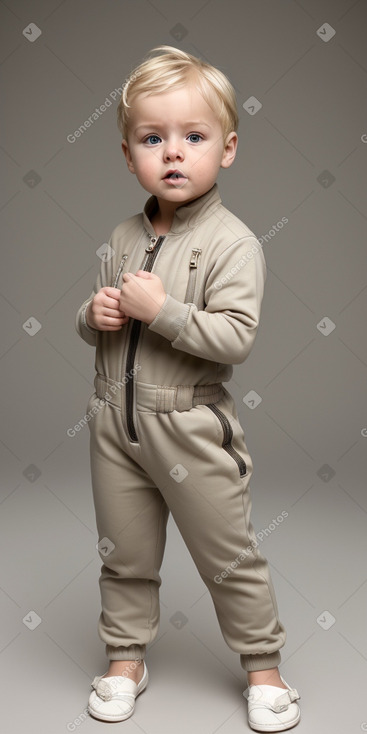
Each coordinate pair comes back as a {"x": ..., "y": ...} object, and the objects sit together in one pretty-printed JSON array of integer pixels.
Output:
[
  {"x": 207, "y": 164},
  {"x": 146, "y": 164}
]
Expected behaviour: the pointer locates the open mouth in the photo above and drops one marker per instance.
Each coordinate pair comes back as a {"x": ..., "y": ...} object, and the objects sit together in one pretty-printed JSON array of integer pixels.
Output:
[
  {"x": 177, "y": 178},
  {"x": 175, "y": 175}
]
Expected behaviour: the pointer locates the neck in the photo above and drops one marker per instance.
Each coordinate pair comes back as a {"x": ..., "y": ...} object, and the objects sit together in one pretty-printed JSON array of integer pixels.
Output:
[{"x": 162, "y": 219}]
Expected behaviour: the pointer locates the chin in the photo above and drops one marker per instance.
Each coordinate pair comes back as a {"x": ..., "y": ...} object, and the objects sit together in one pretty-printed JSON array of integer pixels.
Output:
[{"x": 177, "y": 194}]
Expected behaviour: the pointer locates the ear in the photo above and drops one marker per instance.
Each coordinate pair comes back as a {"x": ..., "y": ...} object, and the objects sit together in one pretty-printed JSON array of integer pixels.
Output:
[
  {"x": 127, "y": 154},
  {"x": 230, "y": 149}
]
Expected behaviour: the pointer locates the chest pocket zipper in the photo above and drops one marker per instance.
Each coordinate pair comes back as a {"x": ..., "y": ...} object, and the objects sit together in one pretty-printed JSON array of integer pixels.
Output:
[
  {"x": 190, "y": 290},
  {"x": 227, "y": 438},
  {"x": 120, "y": 269}
]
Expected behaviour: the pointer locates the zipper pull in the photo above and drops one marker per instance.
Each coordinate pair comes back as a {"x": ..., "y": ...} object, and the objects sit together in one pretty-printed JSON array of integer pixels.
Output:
[
  {"x": 194, "y": 257},
  {"x": 153, "y": 242},
  {"x": 121, "y": 267}
]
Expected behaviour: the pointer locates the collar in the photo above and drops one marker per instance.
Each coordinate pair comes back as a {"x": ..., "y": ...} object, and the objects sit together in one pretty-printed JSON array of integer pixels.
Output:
[{"x": 186, "y": 216}]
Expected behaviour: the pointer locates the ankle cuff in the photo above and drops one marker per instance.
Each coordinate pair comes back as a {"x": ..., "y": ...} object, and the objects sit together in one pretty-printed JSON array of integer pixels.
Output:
[
  {"x": 260, "y": 662},
  {"x": 133, "y": 652}
]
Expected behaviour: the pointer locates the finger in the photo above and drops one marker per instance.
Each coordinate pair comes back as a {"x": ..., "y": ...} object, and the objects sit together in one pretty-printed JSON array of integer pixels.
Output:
[
  {"x": 111, "y": 303},
  {"x": 112, "y": 314},
  {"x": 112, "y": 292},
  {"x": 144, "y": 274},
  {"x": 111, "y": 321}
]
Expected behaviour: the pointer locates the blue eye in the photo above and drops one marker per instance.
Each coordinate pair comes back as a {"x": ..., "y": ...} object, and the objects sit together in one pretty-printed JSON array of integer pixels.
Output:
[
  {"x": 195, "y": 135},
  {"x": 152, "y": 139}
]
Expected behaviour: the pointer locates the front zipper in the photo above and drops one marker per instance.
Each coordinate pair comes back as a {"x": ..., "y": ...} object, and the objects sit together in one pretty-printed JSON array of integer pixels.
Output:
[
  {"x": 227, "y": 438},
  {"x": 195, "y": 254},
  {"x": 152, "y": 252}
]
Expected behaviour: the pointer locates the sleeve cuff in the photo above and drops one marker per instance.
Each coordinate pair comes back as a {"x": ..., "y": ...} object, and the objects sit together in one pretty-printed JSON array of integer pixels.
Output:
[
  {"x": 171, "y": 318},
  {"x": 84, "y": 319}
]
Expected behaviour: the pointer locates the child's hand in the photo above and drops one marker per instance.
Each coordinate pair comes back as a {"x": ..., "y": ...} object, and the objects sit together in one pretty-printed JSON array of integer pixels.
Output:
[
  {"x": 103, "y": 312},
  {"x": 142, "y": 295}
]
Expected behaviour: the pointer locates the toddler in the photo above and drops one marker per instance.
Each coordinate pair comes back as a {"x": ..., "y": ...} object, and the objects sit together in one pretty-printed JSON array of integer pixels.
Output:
[{"x": 176, "y": 303}]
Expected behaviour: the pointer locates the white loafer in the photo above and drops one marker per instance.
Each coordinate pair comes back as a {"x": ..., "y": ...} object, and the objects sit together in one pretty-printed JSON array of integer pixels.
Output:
[
  {"x": 271, "y": 708},
  {"x": 113, "y": 697}
]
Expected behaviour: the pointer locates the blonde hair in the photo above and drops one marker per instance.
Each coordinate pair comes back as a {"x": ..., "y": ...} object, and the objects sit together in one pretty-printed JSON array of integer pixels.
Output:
[{"x": 174, "y": 68}]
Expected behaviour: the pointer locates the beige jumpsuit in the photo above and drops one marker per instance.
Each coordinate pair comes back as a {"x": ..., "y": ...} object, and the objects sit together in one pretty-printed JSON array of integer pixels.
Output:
[{"x": 165, "y": 434}]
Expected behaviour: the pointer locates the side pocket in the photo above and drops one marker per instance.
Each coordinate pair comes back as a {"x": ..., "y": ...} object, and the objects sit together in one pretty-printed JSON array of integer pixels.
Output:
[
  {"x": 115, "y": 280},
  {"x": 194, "y": 260},
  {"x": 227, "y": 438}
]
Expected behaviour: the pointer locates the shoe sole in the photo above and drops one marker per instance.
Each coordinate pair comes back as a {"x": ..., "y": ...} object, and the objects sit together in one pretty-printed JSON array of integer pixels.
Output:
[
  {"x": 276, "y": 727},
  {"x": 118, "y": 717}
]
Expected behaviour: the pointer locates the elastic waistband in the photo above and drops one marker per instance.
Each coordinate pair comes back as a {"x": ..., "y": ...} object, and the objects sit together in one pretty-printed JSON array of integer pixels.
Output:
[{"x": 160, "y": 398}]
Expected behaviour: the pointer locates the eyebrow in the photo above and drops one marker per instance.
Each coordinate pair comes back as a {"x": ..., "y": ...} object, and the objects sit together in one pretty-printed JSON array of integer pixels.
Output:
[{"x": 156, "y": 124}]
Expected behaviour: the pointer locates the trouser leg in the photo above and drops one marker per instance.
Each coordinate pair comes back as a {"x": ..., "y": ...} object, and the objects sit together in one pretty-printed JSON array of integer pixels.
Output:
[
  {"x": 131, "y": 518},
  {"x": 211, "y": 505}
]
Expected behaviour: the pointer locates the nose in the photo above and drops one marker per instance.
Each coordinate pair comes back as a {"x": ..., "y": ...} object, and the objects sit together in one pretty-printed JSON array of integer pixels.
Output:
[{"x": 172, "y": 151}]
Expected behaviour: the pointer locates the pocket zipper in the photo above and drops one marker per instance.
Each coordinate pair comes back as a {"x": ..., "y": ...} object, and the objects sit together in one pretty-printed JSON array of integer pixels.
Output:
[
  {"x": 227, "y": 438},
  {"x": 195, "y": 254}
]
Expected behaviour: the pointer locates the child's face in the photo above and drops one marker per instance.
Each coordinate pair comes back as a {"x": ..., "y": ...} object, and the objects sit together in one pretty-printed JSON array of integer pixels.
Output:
[{"x": 172, "y": 131}]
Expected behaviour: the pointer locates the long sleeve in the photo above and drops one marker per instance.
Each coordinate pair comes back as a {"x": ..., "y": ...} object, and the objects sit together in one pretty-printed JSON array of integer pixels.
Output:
[
  {"x": 86, "y": 332},
  {"x": 103, "y": 279},
  {"x": 225, "y": 330}
]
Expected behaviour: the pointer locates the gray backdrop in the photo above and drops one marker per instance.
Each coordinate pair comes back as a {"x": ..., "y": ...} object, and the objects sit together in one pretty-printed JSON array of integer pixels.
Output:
[{"x": 299, "y": 69}]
